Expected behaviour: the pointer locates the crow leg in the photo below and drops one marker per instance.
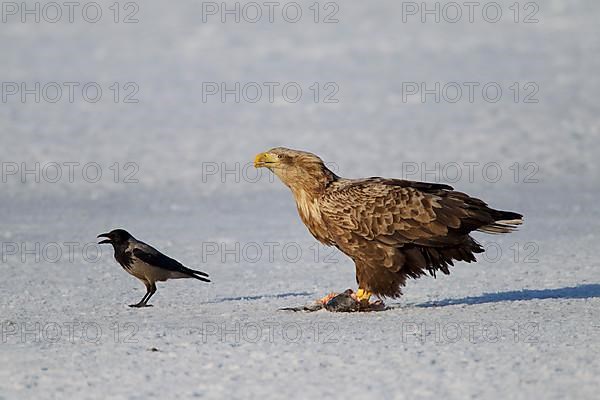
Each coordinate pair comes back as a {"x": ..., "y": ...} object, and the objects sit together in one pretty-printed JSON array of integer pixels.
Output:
[
  {"x": 151, "y": 291},
  {"x": 147, "y": 296}
]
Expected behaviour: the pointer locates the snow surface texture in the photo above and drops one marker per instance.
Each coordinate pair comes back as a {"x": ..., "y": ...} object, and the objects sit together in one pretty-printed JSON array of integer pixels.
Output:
[{"x": 520, "y": 323}]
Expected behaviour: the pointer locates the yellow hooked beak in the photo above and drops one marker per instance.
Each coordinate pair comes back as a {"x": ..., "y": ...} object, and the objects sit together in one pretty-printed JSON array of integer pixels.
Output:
[{"x": 265, "y": 160}]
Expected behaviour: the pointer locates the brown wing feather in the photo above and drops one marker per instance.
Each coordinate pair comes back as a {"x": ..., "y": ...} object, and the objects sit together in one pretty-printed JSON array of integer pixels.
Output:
[{"x": 394, "y": 229}]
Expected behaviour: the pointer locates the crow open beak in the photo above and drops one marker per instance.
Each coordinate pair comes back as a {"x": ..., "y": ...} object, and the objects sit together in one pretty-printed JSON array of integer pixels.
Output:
[{"x": 105, "y": 240}]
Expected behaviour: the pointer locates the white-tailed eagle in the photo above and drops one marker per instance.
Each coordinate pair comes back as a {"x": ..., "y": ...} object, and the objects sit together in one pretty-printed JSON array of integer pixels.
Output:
[{"x": 392, "y": 229}]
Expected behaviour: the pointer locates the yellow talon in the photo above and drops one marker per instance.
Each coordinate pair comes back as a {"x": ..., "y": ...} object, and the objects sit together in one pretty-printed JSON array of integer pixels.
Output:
[{"x": 363, "y": 295}]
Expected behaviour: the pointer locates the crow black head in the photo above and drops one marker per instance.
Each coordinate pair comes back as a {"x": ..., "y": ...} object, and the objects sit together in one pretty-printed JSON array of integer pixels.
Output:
[{"x": 116, "y": 237}]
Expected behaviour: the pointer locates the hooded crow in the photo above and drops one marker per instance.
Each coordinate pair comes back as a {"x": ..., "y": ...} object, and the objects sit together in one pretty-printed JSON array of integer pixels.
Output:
[{"x": 146, "y": 263}]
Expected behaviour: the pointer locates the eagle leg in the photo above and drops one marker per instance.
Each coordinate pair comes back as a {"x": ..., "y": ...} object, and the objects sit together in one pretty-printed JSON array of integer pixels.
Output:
[{"x": 363, "y": 296}]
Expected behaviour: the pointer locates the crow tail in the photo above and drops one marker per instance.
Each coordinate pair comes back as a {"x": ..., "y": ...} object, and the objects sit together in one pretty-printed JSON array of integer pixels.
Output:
[{"x": 203, "y": 276}]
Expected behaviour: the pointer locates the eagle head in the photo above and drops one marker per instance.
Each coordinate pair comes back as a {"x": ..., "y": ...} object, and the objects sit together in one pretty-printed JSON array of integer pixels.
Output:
[{"x": 299, "y": 170}]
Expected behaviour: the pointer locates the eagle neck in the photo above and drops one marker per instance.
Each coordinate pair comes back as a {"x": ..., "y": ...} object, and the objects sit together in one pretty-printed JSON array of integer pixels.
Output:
[{"x": 308, "y": 201}]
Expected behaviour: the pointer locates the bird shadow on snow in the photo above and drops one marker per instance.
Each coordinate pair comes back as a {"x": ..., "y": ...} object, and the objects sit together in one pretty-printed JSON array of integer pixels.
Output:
[
  {"x": 576, "y": 292},
  {"x": 262, "y": 296}
]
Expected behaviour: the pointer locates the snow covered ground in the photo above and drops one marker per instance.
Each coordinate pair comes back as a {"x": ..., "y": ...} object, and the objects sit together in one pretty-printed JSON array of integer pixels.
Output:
[{"x": 175, "y": 171}]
